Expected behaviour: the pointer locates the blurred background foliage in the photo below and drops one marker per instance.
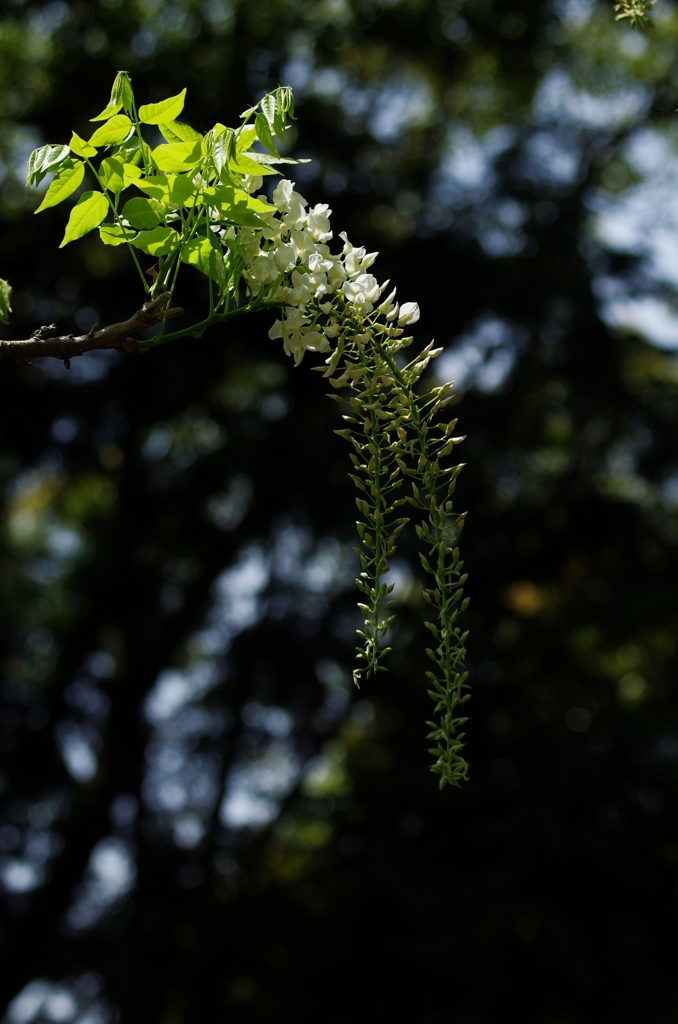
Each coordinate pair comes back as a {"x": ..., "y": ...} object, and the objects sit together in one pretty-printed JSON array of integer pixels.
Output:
[{"x": 202, "y": 820}]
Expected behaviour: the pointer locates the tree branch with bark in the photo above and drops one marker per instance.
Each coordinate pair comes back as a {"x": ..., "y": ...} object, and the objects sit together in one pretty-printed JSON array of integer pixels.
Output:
[{"x": 47, "y": 342}]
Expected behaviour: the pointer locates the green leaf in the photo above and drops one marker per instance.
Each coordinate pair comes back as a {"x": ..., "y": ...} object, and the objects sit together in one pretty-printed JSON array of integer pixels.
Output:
[
  {"x": 87, "y": 214},
  {"x": 273, "y": 115},
  {"x": 223, "y": 148},
  {"x": 163, "y": 112},
  {"x": 264, "y": 134},
  {"x": 122, "y": 97},
  {"x": 130, "y": 151},
  {"x": 107, "y": 112},
  {"x": 246, "y": 165},
  {"x": 67, "y": 180},
  {"x": 175, "y": 131},
  {"x": 5, "y": 300},
  {"x": 80, "y": 147},
  {"x": 140, "y": 213},
  {"x": 43, "y": 160},
  {"x": 236, "y": 205},
  {"x": 177, "y": 156},
  {"x": 114, "y": 234},
  {"x": 200, "y": 253},
  {"x": 176, "y": 190},
  {"x": 158, "y": 242},
  {"x": 245, "y": 137},
  {"x": 114, "y": 131},
  {"x": 112, "y": 174}
]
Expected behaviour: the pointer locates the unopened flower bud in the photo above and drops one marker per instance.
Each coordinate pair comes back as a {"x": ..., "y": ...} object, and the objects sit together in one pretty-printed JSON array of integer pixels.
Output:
[{"x": 409, "y": 313}]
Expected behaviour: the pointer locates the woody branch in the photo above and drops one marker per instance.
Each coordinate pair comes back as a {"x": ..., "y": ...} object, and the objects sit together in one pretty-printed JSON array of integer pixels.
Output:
[{"x": 46, "y": 342}]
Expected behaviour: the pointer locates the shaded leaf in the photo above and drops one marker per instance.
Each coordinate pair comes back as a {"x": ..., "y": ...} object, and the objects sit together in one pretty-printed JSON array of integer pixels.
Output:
[
  {"x": 5, "y": 300},
  {"x": 141, "y": 214}
]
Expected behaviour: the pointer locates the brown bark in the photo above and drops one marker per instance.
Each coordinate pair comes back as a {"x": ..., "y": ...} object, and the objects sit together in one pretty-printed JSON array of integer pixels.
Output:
[{"x": 46, "y": 342}]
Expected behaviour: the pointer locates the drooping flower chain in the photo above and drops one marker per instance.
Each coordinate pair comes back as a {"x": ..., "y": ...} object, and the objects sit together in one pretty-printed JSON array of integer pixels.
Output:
[{"x": 332, "y": 306}]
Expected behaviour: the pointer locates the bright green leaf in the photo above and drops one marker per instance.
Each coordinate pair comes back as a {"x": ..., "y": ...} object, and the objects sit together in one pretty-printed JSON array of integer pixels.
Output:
[
  {"x": 200, "y": 253},
  {"x": 178, "y": 156},
  {"x": 66, "y": 181},
  {"x": 140, "y": 213},
  {"x": 107, "y": 112},
  {"x": 132, "y": 172},
  {"x": 163, "y": 112},
  {"x": 249, "y": 163},
  {"x": 80, "y": 147},
  {"x": 236, "y": 205},
  {"x": 114, "y": 131},
  {"x": 113, "y": 234},
  {"x": 43, "y": 160},
  {"x": 271, "y": 111},
  {"x": 5, "y": 300},
  {"x": 158, "y": 242},
  {"x": 264, "y": 134},
  {"x": 175, "y": 131},
  {"x": 112, "y": 174},
  {"x": 245, "y": 137},
  {"x": 177, "y": 190},
  {"x": 121, "y": 97},
  {"x": 87, "y": 214}
]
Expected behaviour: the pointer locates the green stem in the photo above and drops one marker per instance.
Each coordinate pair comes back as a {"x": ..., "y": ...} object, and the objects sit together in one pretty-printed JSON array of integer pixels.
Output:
[{"x": 118, "y": 221}]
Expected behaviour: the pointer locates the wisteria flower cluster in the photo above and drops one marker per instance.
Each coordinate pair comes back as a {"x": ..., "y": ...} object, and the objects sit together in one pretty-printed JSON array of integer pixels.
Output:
[{"x": 196, "y": 200}]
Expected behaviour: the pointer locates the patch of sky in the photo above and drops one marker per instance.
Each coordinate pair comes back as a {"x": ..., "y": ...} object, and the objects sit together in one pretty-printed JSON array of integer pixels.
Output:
[
  {"x": 182, "y": 783},
  {"x": 109, "y": 877},
  {"x": 90, "y": 368},
  {"x": 71, "y": 1001},
  {"x": 558, "y": 100},
  {"x": 77, "y": 746},
  {"x": 642, "y": 221},
  {"x": 404, "y": 102},
  {"x": 483, "y": 357}
]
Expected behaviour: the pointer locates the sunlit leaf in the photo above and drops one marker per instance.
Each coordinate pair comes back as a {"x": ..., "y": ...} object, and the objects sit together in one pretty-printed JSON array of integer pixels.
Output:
[
  {"x": 114, "y": 131},
  {"x": 236, "y": 205},
  {"x": 246, "y": 164},
  {"x": 200, "y": 253},
  {"x": 158, "y": 242},
  {"x": 245, "y": 138},
  {"x": 44, "y": 160},
  {"x": 176, "y": 190},
  {"x": 87, "y": 214},
  {"x": 112, "y": 174},
  {"x": 121, "y": 97},
  {"x": 176, "y": 131},
  {"x": 177, "y": 156},
  {"x": 66, "y": 181},
  {"x": 264, "y": 134},
  {"x": 163, "y": 112},
  {"x": 114, "y": 234},
  {"x": 141, "y": 214},
  {"x": 80, "y": 147}
]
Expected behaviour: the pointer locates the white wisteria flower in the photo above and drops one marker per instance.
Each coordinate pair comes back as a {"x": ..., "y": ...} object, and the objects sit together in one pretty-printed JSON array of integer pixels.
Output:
[{"x": 409, "y": 313}]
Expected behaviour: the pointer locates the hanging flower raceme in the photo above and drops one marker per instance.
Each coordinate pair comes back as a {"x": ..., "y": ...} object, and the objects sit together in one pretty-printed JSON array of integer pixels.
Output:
[{"x": 201, "y": 204}]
